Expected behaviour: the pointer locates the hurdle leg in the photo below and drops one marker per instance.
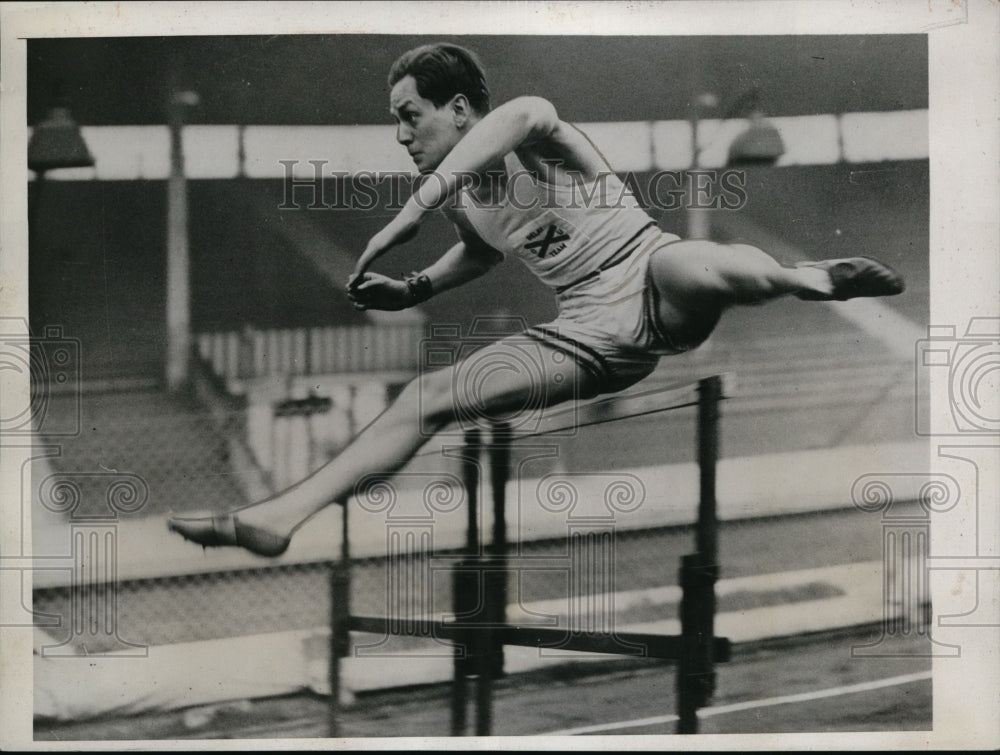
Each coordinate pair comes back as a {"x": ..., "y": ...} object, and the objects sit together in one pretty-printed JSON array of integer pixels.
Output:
[
  {"x": 497, "y": 580},
  {"x": 340, "y": 610},
  {"x": 483, "y": 660},
  {"x": 699, "y": 572},
  {"x": 460, "y": 659},
  {"x": 492, "y": 572},
  {"x": 465, "y": 587}
]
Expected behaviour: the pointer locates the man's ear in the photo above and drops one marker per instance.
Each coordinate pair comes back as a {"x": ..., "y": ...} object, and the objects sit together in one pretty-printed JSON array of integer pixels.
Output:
[{"x": 461, "y": 110}]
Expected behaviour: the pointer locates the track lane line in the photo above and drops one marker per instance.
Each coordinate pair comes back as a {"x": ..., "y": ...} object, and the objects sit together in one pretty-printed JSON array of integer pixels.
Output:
[{"x": 719, "y": 710}]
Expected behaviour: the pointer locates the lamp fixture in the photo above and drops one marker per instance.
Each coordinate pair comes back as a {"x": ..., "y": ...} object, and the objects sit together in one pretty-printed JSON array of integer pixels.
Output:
[{"x": 56, "y": 142}]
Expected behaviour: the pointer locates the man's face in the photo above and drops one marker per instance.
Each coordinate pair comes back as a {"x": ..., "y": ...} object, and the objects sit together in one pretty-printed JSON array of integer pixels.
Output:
[{"x": 427, "y": 132}]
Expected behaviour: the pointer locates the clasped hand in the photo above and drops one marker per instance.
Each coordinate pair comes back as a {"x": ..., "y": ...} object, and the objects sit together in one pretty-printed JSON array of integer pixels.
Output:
[{"x": 376, "y": 291}]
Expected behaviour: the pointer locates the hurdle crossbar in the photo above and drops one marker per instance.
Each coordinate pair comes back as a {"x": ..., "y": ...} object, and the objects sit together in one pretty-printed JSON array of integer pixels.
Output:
[
  {"x": 646, "y": 645},
  {"x": 480, "y": 629}
]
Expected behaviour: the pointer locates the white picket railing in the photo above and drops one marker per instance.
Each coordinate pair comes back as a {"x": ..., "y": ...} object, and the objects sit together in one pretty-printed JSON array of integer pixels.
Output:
[
  {"x": 270, "y": 368},
  {"x": 248, "y": 354}
]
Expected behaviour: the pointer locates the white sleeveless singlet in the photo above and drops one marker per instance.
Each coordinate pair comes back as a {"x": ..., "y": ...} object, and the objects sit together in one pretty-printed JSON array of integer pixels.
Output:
[
  {"x": 562, "y": 233},
  {"x": 591, "y": 244}
]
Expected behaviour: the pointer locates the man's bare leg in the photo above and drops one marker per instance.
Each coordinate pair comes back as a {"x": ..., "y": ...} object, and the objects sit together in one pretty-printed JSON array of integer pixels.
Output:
[
  {"x": 697, "y": 280},
  {"x": 426, "y": 405}
]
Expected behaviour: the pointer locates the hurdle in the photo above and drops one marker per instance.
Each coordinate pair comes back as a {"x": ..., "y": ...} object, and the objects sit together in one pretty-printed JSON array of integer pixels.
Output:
[{"x": 478, "y": 629}]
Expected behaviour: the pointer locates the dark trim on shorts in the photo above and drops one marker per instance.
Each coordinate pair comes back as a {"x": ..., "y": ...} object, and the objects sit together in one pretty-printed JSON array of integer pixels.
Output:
[
  {"x": 650, "y": 300},
  {"x": 586, "y": 356},
  {"x": 625, "y": 251}
]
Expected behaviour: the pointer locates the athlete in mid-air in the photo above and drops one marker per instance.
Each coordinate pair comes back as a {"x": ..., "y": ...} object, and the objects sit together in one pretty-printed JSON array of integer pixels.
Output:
[{"x": 518, "y": 180}]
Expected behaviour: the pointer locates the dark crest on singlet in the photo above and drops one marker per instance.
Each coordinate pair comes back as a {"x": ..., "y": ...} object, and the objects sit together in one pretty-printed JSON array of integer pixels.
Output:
[{"x": 547, "y": 240}]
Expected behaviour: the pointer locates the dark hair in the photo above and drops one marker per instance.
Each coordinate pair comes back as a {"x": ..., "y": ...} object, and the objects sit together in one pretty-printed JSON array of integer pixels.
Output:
[{"x": 443, "y": 70}]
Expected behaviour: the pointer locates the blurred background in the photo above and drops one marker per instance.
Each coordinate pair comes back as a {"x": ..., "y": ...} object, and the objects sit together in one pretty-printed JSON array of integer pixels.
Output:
[{"x": 194, "y": 262}]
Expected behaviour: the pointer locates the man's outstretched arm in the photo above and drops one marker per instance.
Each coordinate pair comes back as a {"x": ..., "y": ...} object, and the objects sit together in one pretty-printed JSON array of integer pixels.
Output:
[{"x": 465, "y": 261}]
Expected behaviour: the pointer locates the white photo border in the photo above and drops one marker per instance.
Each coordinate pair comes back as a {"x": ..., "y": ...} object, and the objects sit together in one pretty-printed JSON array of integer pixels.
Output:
[{"x": 964, "y": 81}]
